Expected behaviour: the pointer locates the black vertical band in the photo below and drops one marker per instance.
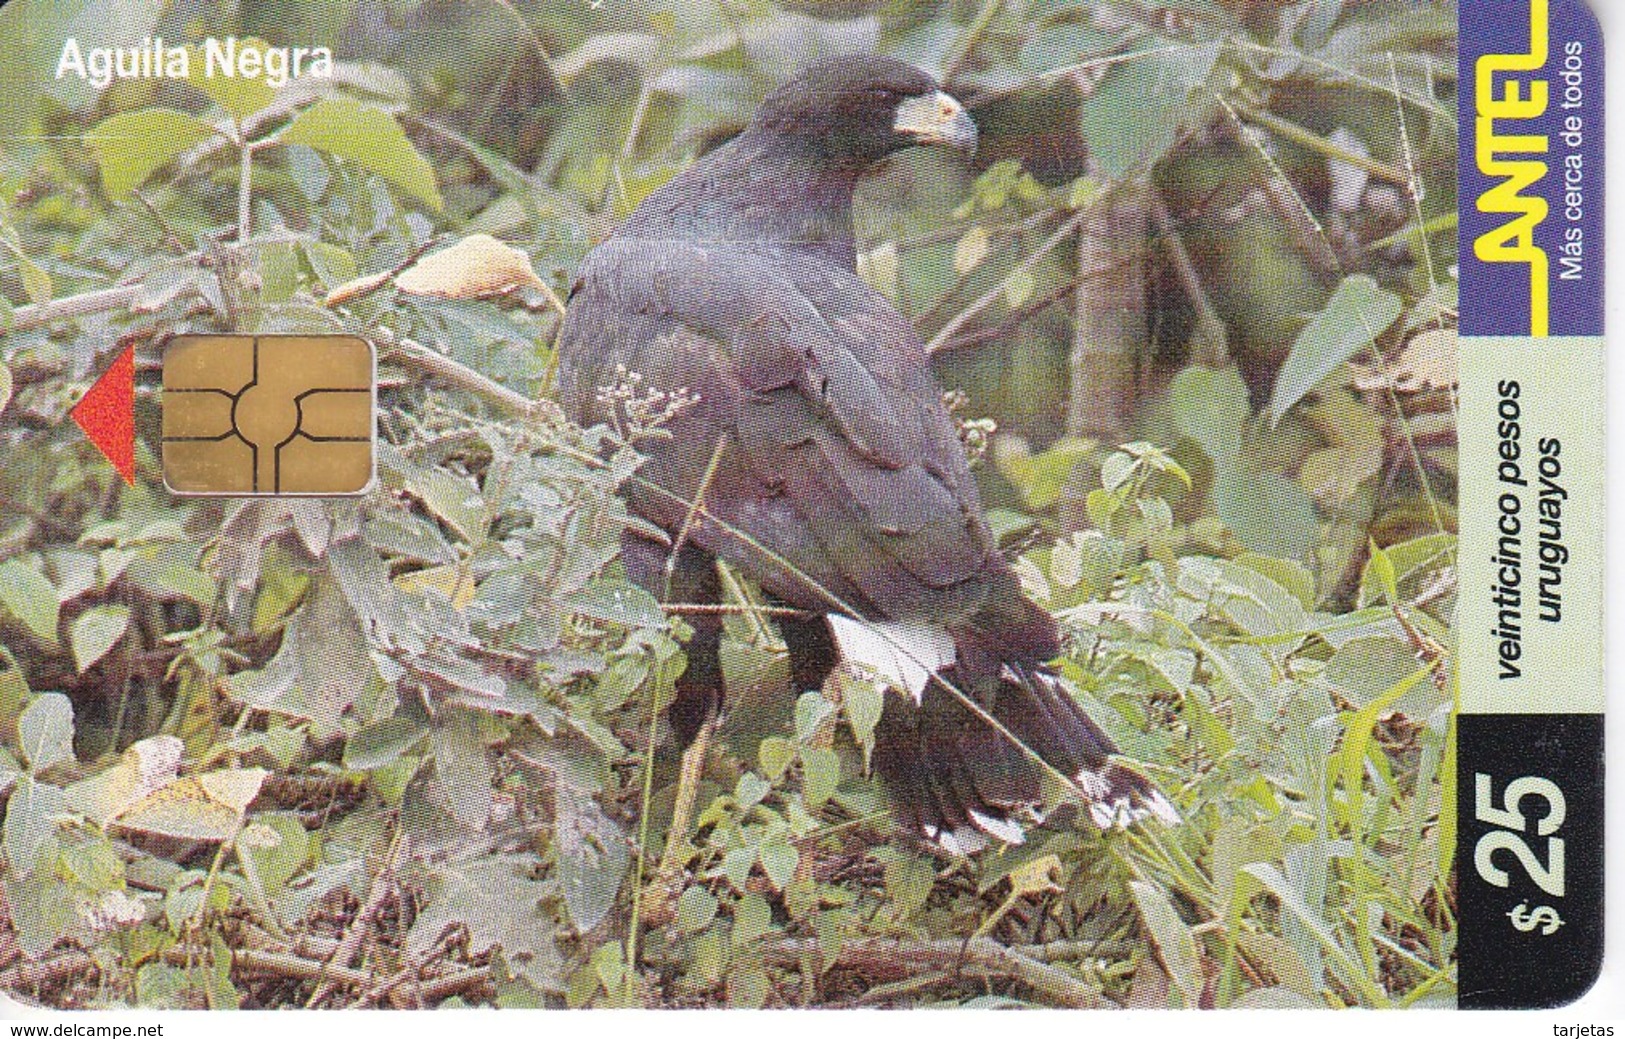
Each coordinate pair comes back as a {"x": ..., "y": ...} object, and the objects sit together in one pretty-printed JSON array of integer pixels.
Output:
[{"x": 1507, "y": 959}]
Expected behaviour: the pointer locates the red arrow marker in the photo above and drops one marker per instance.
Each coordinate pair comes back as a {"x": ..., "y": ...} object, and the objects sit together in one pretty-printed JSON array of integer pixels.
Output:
[{"x": 107, "y": 414}]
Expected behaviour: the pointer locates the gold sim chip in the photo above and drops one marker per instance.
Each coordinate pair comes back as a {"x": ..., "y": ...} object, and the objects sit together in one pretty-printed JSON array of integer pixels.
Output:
[{"x": 274, "y": 414}]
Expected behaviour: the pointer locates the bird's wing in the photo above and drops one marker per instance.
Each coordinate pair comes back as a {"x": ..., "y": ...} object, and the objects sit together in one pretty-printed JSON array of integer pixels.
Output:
[{"x": 839, "y": 447}]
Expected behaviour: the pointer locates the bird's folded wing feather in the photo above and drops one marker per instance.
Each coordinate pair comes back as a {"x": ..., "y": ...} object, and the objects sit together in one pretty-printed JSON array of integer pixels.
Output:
[{"x": 826, "y": 390}]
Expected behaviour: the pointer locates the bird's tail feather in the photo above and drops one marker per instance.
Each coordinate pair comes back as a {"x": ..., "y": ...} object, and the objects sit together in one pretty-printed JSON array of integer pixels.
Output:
[{"x": 962, "y": 782}]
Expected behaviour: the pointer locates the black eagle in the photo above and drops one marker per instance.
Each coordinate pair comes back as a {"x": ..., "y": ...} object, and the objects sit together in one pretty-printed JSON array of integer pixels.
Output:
[{"x": 823, "y": 462}]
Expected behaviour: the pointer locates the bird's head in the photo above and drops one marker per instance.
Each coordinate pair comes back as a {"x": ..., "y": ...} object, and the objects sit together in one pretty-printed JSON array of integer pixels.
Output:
[{"x": 863, "y": 107}]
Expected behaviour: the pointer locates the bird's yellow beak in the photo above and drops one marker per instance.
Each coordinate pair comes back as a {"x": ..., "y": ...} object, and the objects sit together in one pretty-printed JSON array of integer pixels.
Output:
[{"x": 935, "y": 118}]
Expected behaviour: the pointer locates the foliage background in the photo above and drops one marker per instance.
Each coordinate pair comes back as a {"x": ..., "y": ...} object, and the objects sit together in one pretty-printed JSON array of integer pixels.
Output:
[{"x": 1196, "y": 293}]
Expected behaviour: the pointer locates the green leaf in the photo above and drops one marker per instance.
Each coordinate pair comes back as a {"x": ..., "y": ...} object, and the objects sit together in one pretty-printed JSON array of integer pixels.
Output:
[
  {"x": 95, "y": 632},
  {"x": 1216, "y": 739},
  {"x": 1362, "y": 669},
  {"x": 618, "y": 683},
  {"x": 371, "y": 138},
  {"x": 1267, "y": 512},
  {"x": 160, "y": 985},
  {"x": 748, "y": 986},
  {"x": 281, "y": 589},
  {"x": 620, "y": 602},
  {"x": 1102, "y": 505},
  {"x": 1344, "y": 963},
  {"x": 280, "y": 862},
  {"x": 832, "y": 926},
  {"x": 1288, "y": 573},
  {"x": 908, "y": 884},
  {"x": 575, "y": 760},
  {"x": 775, "y": 755},
  {"x": 95, "y": 865},
  {"x": 183, "y": 898},
  {"x": 609, "y": 963},
  {"x": 1157, "y": 514},
  {"x": 28, "y": 596},
  {"x": 1131, "y": 118},
  {"x": 750, "y": 789},
  {"x": 1115, "y": 471},
  {"x": 143, "y": 767},
  {"x": 332, "y": 264},
  {"x": 1210, "y": 407},
  {"x": 811, "y": 710},
  {"x": 1158, "y": 459},
  {"x": 752, "y": 919},
  {"x": 779, "y": 861},
  {"x": 284, "y": 744},
  {"x": 381, "y": 743},
  {"x": 43, "y": 910},
  {"x": 1252, "y": 600},
  {"x": 30, "y": 823},
  {"x": 171, "y": 573},
  {"x": 462, "y": 767},
  {"x": 696, "y": 908},
  {"x": 1381, "y": 569},
  {"x": 45, "y": 731},
  {"x": 1175, "y": 946},
  {"x": 1357, "y": 735},
  {"x": 36, "y": 282},
  {"x": 1357, "y": 313},
  {"x": 1084, "y": 190},
  {"x": 499, "y": 903},
  {"x": 592, "y": 860},
  {"x": 821, "y": 773},
  {"x": 322, "y": 670},
  {"x": 1040, "y": 478},
  {"x": 737, "y": 864},
  {"x": 1402, "y": 561},
  {"x": 132, "y": 146},
  {"x": 209, "y": 807},
  {"x": 448, "y": 496},
  {"x": 219, "y": 992},
  {"x": 972, "y": 249},
  {"x": 864, "y": 701},
  {"x": 240, "y": 96},
  {"x": 1018, "y": 287},
  {"x": 1057, "y": 45}
]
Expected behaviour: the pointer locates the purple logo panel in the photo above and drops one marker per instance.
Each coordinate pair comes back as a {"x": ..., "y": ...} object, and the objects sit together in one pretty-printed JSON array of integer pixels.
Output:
[{"x": 1531, "y": 259}]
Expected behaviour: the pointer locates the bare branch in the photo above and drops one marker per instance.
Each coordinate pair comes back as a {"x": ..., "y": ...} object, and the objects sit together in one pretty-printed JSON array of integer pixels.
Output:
[
  {"x": 36, "y": 314},
  {"x": 949, "y": 331},
  {"x": 413, "y": 354},
  {"x": 976, "y": 956}
]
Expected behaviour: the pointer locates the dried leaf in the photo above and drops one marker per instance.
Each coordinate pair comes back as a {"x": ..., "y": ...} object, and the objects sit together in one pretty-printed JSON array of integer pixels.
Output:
[
  {"x": 1427, "y": 362},
  {"x": 477, "y": 267},
  {"x": 209, "y": 807},
  {"x": 146, "y": 767},
  {"x": 355, "y": 287}
]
